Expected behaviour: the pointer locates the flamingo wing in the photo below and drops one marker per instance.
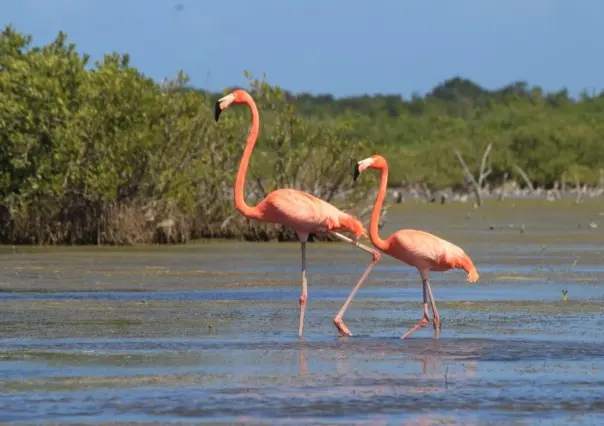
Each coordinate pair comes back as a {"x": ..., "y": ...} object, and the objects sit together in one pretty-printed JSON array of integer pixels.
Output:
[
  {"x": 306, "y": 213},
  {"x": 422, "y": 249}
]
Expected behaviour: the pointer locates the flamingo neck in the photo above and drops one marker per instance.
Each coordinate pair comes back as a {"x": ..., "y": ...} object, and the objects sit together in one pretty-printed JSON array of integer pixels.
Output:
[
  {"x": 377, "y": 208},
  {"x": 240, "y": 204}
]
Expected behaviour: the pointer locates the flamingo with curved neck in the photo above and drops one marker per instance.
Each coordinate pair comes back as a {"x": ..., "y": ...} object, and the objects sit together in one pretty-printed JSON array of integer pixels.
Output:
[
  {"x": 425, "y": 251},
  {"x": 295, "y": 209}
]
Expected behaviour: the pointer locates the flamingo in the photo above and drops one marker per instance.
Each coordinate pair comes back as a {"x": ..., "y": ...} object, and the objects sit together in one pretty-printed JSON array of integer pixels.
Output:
[
  {"x": 420, "y": 249},
  {"x": 295, "y": 209}
]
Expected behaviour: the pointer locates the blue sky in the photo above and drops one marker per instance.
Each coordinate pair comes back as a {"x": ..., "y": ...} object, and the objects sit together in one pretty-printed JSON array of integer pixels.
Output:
[{"x": 343, "y": 47}]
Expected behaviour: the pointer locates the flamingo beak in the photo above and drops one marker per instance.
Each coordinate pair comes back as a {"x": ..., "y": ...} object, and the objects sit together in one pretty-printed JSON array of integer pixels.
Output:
[
  {"x": 222, "y": 104},
  {"x": 356, "y": 172},
  {"x": 217, "y": 111}
]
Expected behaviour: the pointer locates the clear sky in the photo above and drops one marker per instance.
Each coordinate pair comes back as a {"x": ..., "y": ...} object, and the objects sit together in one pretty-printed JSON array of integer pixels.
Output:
[{"x": 343, "y": 47}]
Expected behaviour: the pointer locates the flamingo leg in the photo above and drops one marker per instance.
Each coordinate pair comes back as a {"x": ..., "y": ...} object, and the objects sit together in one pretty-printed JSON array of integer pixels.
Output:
[
  {"x": 303, "y": 366},
  {"x": 426, "y": 319},
  {"x": 304, "y": 294},
  {"x": 434, "y": 311},
  {"x": 338, "y": 321}
]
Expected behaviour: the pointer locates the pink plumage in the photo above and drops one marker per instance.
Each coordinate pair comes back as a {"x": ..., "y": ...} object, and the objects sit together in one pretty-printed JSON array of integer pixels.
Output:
[
  {"x": 426, "y": 251},
  {"x": 306, "y": 213},
  {"x": 295, "y": 209},
  {"x": 420, "y": 249}
]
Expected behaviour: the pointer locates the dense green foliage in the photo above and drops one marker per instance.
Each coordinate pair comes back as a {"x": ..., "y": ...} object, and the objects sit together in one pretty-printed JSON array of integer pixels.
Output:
[
  {"x": 103, "y": 154},
  {"x": 546, "y": 134},
  {"x": 99, "y": 153}
]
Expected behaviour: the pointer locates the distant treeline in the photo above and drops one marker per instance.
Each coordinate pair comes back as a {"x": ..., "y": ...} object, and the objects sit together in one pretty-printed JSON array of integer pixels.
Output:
[
  {"x": 549, "y": 135},
  {"x": 102, "y": 154}
]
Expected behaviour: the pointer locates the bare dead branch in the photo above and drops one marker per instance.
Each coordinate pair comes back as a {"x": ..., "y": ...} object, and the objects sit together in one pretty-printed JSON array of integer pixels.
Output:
[
  {"x": 484, "y": 173},
  {"x": 563, "y": 183},
  {"x": 470, "y": 177},
  {"x": 525, "y": 178},
  {"x": 465, "y": 168},
  {"x": 426, "y": 191},
  {"x": 580, "y": 191}
]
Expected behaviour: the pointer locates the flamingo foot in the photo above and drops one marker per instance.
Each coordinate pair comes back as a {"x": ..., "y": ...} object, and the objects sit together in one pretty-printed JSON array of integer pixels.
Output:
[
  {"x": 422, "y": 323},
  {"x": 342, "y": 329},
  {"x": 436, "y": 322},
  {"x": 437, "y": 326}
]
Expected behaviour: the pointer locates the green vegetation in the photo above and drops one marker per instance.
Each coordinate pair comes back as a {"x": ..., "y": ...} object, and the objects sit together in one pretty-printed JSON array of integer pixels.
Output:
[
  {"x": 102, "y": 154},
  {"x": 105, "y": 155}
]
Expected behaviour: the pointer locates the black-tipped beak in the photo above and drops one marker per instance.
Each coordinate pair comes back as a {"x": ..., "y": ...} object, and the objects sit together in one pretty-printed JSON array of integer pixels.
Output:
[
  {"x": 356, "y": 173},
  {"x": 217, "y": 111}
]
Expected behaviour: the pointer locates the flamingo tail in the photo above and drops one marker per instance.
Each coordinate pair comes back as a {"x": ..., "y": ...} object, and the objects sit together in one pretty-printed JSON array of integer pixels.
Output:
[
  {"x": 352, "y": 224},
  {"x": 464, "y": 262}
]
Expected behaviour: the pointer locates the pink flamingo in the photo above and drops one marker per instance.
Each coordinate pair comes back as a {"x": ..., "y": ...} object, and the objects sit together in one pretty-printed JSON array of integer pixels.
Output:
[
  {"x": 425, "y": 251},
  {"x": 303, "y": 212}
]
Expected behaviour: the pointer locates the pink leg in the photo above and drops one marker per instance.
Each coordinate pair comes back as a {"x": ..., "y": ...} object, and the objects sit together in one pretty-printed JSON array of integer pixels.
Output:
[
  {"x": 426, "y": 319},
  {"x": 304, "y": 294},
  {"x": 338, "y": 321},
  {"x": 434, "y": 311},
  {"x": 303, "y": 366}
]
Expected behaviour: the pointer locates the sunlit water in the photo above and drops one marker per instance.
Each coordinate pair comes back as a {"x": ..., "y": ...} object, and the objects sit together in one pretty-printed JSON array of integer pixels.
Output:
[{"x": 207, "y": 333}]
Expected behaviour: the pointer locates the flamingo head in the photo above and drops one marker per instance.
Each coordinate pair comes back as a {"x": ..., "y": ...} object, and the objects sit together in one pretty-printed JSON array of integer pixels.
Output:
[
  {"x": 373, "y": 162},
  {"x": 237, "y": 96}
]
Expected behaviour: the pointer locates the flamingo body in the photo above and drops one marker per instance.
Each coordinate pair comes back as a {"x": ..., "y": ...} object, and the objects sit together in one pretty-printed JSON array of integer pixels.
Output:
[
  {"x": 427, "y": 252},
  {"x": 295, "y": 209},
  {"x": 420, "y": 249},
  {"x": 306, "y": 214}
]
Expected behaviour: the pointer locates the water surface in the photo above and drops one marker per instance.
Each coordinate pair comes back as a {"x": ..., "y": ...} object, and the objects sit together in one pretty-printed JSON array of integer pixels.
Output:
[{"x": 207, "y": 332}]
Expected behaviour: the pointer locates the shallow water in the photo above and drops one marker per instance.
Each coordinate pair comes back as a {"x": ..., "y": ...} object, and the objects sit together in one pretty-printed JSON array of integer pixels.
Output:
[{"x": 207, "y": 332}]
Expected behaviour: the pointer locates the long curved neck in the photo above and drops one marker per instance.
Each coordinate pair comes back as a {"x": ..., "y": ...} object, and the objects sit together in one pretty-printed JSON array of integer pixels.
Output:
[
  {"x": 377, "y": 208},
  {"x": 240, "y": 203}
]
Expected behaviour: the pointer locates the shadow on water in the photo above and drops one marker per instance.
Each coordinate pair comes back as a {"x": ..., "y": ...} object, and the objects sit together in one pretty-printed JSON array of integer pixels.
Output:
[{"x": 206, "y": 333}]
